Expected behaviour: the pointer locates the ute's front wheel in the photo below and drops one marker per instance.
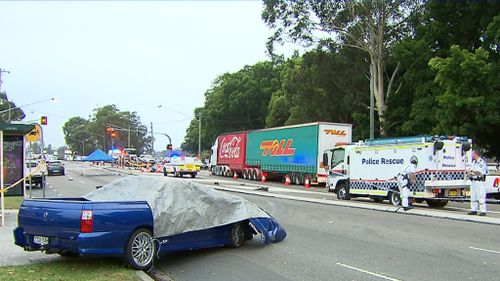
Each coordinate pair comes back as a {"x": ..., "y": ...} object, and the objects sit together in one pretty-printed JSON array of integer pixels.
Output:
[
  {"x": 140, "y": 251},
  {"x": 237, "y": 235}
]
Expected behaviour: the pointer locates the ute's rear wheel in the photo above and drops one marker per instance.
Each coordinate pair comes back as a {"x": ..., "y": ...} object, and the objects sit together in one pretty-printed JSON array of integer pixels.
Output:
[
  {"x": 68, "y": 254},
  {"x": 141, "y": 249},
  {"x": 237, "y": 235},
  {"x": 165, "y": 172}
]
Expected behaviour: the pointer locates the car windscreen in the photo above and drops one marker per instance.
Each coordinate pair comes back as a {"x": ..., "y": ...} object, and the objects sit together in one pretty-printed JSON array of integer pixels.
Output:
[{"x": 54, "y": 164}]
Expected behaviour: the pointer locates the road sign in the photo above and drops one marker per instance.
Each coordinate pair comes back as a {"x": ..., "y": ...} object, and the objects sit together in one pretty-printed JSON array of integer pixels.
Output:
[
  {"x": 43, "y": 120},
  {"x": 34, "y": 134}
]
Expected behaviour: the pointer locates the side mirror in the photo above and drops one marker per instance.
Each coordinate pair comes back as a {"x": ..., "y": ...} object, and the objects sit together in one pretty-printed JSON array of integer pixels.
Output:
[
  {"x": 325, "y": 159},
  {"x": 438, "y": 145},
  {"x": 466, "y": 147}
]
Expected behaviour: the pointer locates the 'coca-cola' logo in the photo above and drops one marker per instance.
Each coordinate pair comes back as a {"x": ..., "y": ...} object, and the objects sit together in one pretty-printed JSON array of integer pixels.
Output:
[{"x": 230, "y": 148}]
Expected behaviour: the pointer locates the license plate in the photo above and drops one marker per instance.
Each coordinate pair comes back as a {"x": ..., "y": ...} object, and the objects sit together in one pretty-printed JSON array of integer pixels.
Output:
[
  {"x": 41, "y": 240},
  {"x": 453, "y": 193}
]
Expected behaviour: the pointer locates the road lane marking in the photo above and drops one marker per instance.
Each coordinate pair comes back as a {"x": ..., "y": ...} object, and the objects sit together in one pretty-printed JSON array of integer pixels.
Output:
[
  {"x": 368, "y": 272},
  {"x": 82, "y": 182},
  {"x": 484, "y": 250}
]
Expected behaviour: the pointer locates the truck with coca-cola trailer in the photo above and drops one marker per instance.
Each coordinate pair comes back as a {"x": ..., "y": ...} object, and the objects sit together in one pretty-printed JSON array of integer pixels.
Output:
[{"x": 295, "y": 151}]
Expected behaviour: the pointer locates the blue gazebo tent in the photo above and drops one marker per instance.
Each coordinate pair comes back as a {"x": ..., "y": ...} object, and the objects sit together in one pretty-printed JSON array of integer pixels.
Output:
[{"x": 98, "y": 156}]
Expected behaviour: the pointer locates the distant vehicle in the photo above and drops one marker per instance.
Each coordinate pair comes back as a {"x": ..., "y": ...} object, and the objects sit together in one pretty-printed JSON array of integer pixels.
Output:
[
  {"x": 147, "y": 158},
  {"x": 36, "y": 177},
  {"x": 295, "y": 151},
  {"x": 68, "y": 155},
  {"x": 369, "y": 168},
  {"x": 180, "y": 166},
  {"x": 132, "y": 229},
  {"x": 55, "y": 168}
]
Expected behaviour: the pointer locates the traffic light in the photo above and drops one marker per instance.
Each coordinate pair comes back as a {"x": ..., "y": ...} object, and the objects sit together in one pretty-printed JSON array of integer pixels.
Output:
[
  {"x": 114, "y": 134},
  {"x": 109, "y": 129},
  {"x": 169, "y": 147},
  {"x": 43, "y": 120}
]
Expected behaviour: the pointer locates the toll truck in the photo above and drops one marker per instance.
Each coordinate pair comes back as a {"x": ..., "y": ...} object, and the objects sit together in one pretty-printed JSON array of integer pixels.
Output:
[
  {"x": 295, "y": 151},
  {"x": 369, "y": 168}
]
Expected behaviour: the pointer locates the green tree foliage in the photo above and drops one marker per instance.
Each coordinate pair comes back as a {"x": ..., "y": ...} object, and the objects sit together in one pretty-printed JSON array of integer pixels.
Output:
[
  {"x": 470, "y": 103},
  {"x": 236, "y": 101},
  {"x": 412, "y": 110},
  {"x": 15, "y": 114},
  {"x": 370, "y": 26},
  {"x": 92, "y": 132},
  {"x": 321, "y": 85}
]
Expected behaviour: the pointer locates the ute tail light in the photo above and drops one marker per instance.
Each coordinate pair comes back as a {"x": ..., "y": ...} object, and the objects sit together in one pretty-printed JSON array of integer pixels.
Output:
[
  {"x": 436, "y": 190},
  {"x": 496, "y": 182},
  {"x": 87, "y": 221}
]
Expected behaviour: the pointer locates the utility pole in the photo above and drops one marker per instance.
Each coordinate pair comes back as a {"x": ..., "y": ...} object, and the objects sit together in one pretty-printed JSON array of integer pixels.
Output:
[
  {"x": 372, "y": 102},
  {"x": 128, "y": 136},
  {"x": 199, "y": 136},
  {"x": 152, "y": 141}
]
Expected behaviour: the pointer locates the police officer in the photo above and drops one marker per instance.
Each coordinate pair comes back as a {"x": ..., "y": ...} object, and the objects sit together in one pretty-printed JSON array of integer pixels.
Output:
[
  {"x": 405, "y": 178},
  {"x": 477, "y": 175}
]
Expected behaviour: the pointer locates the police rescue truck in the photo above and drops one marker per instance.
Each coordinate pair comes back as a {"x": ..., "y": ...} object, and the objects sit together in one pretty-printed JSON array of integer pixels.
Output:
[{"x": 370, "y": 168}]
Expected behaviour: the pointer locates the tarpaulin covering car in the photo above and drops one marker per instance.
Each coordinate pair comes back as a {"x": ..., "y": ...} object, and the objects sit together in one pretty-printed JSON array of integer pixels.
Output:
[{"x": 136, "y": 217}]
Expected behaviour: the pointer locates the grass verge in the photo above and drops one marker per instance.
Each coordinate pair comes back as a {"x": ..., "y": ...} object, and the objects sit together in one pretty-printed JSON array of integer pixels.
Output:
[
  {"x": 13, "y": 202},
  {"x": 78, "y": 269}
]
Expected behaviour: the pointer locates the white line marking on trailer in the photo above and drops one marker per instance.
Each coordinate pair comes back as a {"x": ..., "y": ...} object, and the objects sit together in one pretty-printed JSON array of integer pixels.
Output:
[
  {"x": 484, "y": 250},
  {"x": 368, "y": 272}
]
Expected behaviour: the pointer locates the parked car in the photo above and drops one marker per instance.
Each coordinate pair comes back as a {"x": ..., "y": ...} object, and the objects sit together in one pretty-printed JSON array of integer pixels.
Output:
[
  {"x": 133, "y": 218},
  {"x": 55, "y": 167},
  {"x": 36, "y": 177}
]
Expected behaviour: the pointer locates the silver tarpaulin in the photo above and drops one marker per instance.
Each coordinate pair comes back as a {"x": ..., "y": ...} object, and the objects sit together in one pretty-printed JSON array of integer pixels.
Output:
[{"x": 179, "y": 205}]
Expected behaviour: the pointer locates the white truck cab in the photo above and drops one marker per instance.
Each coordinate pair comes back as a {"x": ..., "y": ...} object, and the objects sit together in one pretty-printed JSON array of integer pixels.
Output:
[{"x": 369, "y": 168}]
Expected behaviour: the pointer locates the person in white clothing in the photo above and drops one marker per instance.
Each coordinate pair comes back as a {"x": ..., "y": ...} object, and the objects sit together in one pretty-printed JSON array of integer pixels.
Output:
[
  {"x": 405, "y": 178},
  {"x": 477, "y": 175}
]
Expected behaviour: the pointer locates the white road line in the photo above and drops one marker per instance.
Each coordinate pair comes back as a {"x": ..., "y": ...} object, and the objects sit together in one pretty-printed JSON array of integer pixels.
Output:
[
  {"x": 368, "y": 272},
  {"x": 484, "y": 250},
  {"x": 82, "y": 182}
]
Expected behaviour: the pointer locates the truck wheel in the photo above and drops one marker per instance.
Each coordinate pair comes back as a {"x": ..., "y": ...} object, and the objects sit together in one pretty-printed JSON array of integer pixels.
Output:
[
  {"x": 193, "y": 175},
  {"x": 436, "y": 203},
  {"x": 343, "y": 191},
  {"x": 245, "y": 174},
  {"x": 394, "y": 197},
  {"x": 254, "y": 175},
  {"x": 237, "y": 235},
  {"x": 140, "y": 250}
]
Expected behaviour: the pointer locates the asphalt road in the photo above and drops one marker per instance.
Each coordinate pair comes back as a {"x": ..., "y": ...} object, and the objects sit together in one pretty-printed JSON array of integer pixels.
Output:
[{"x": 331, "y": 243}]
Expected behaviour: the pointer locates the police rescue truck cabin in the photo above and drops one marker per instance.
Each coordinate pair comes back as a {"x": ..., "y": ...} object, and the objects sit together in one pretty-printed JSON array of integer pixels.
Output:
[{"x": 370, "y": 168}]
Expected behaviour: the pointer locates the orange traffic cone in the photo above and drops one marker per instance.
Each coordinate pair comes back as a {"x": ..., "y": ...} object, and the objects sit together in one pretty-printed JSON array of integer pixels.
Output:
[
  {"x": 263, "y": 178},
  {"x": 287, "y": 180},
  {"x": 235, "y": 175},
  {"x": 307, "y": 183}
]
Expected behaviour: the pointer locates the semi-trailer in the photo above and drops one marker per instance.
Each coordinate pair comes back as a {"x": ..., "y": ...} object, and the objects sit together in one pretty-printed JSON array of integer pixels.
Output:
[{"x": 295, "y": 151}]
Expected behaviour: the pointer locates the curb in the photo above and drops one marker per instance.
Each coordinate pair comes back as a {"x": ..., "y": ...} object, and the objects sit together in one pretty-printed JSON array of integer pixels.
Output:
[
  {"x": 143, "y": 276},
  {"x": 422, "y": 213}
]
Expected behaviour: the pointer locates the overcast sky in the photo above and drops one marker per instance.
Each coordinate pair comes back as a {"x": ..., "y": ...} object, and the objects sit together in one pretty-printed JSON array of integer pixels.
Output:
[{"x": 134, "y": 54}]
